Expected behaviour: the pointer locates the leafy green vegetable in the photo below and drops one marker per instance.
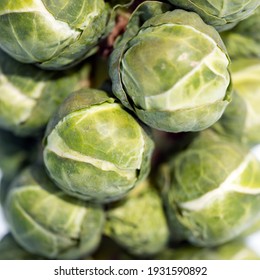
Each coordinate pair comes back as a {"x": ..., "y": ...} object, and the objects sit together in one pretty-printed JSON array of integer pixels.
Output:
[
  {"x": 52, "y": 34},
  {"x": 211, "y": 190},
  {"x": 158, "y": 73},
  {"x": 94, "y": 149}
]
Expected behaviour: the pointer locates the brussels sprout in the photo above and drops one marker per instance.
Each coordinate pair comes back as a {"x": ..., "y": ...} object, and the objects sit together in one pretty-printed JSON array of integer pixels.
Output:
[
  {"x": 26, "y": 92},
  {"x": 244, "y": 39},
  {"x": 212, "y": 190},
  {"x": 94, "y": 149},
  {"x": 138, "y": 223},
  {"x": 47, "y": 222},
  {"x": 222, "y": 14},
  {"x": 158, "y": 73},
  {"x": 10, "y": 250},
  {"x": 235, "y": 250},
  {"x": 52, "y": 34}
]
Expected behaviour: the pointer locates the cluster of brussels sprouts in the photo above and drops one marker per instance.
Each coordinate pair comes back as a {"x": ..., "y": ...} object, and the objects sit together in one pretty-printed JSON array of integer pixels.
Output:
[{"x": 133, "y": 140}]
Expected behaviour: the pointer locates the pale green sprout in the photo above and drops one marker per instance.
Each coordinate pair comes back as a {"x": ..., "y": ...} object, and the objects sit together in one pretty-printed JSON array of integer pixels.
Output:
[
  {"x": 158, "y": 73},
  {"x": 47, "y": 222},
  {"x": 244, "y": 39},
  {"x": 211, "y": 191},
  {"x": 137, "y": 223},
  {"x": 222, "y": 14},
  {"x": 29, "y": 96},
  {"x": 94, "y": 149},
  {"x": 52, "y": 34}
]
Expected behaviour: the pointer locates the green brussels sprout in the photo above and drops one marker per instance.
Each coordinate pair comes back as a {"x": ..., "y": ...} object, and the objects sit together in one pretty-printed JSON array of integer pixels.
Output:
[
  {"x": 26, "y": 92},
  {"x": 47, "y": 222},
  {"x": 52, "y": 34},
  {"x": 94, "y": 149},
  {"x": 234, "y": 250},
  {"x": 244, "y": 39},
  {"x": 211, "y": 190},
  {"x": 158, "y": 73},
  {"x": 11, "y": 250},
  {"x": 222, "y": 14},
  {"x": 138, "y": 223}
]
